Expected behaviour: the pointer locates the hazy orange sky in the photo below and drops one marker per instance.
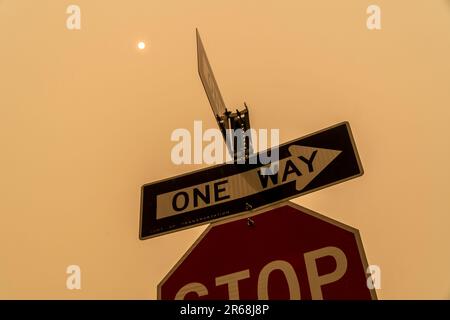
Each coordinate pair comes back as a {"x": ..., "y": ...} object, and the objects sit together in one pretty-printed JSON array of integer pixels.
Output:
[{"x": 86, "y": 118}]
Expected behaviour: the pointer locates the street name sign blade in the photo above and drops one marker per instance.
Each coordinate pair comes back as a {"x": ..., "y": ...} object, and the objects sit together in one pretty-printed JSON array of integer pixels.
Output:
[
  {"x": 289, "y": 252},
  {"x": 208, "y": 80},
  {"x": 310, "y": 163},
  {"x": 226, "y": 120}
]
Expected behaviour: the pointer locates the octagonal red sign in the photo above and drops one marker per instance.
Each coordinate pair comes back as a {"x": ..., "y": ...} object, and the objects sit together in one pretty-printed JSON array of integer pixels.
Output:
[{"x": 283, "y": 252}]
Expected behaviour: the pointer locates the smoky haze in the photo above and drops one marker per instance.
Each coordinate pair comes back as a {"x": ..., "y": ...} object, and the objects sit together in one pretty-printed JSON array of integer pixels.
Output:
[{"x": 86, "y": 119}]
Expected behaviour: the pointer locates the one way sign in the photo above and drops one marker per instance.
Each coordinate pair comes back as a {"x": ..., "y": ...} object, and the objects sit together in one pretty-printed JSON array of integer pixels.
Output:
[{"x": 307, "y": 164}]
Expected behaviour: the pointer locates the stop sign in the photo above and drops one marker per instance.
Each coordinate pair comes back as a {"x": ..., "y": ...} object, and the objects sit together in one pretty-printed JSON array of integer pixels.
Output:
[{"x": 283, "y": 252}]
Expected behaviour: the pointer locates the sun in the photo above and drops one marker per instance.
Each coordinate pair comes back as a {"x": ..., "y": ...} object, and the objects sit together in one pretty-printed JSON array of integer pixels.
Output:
[{"x": 141, "y": 45}]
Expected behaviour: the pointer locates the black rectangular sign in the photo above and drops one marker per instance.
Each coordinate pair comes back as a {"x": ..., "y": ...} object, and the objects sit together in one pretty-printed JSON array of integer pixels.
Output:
[{"x": 319, "y": 160}]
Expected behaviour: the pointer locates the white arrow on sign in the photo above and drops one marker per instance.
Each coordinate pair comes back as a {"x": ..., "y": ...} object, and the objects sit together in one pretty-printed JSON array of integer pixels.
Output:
[{"x": 304, "y": 164}]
